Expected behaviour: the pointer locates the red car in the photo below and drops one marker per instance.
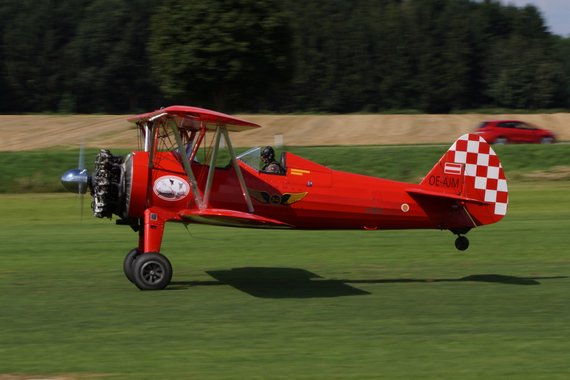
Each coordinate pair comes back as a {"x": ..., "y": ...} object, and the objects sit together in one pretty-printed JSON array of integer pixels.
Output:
[{"x": 514, "y": 131}]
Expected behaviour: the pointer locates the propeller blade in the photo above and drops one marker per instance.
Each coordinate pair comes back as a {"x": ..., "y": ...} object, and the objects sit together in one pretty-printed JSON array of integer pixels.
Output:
[
  {"x": 81, "y": 156},
  {"x": 77, "y": 180},
  {"x": 81, "y": 187},
  {"x": 81, "y": 203}
]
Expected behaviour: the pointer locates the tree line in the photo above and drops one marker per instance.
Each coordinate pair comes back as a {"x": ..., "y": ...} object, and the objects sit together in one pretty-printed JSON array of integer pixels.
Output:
[{"x": 124, "y": 56}]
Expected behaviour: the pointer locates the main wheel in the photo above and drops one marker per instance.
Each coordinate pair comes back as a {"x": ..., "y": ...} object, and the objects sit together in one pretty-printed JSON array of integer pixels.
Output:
[
  {"x": 128, "y": 263},
  {"x": 501, "y": 141},
  {"x": 461, "y": 243},
  {"x": 152, "y": 271}
]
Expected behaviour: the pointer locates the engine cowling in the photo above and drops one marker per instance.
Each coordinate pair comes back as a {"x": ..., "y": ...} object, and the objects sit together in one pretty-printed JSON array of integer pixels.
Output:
[{"x": 136, "y": 184}]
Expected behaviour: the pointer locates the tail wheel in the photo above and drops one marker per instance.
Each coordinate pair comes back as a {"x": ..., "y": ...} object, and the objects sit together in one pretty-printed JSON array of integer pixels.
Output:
[
  {"x": 152, "y": 271},
  {"x": 129, "y": 262},
  {"x": 461, "y": 243}
]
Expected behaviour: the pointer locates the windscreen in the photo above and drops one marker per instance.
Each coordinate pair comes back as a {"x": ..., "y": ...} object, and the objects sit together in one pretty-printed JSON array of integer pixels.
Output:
[{"x": 251, "y": 158}]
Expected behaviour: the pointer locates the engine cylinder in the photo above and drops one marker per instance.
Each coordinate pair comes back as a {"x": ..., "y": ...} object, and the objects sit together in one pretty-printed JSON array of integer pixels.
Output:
[{"x": 108, "y": 185}]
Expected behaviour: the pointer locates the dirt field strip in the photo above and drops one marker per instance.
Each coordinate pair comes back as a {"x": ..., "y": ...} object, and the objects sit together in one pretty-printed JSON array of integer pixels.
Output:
[{"x": 29, "y": 132}]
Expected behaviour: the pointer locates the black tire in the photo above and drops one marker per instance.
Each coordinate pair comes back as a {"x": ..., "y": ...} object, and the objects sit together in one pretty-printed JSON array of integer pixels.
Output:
[
  {"x": 501, "y": 141},
  {"x": 461, "y": 243},
  {"x": 547, "y": 140},
  {"x": 128, "y": 263},
  {"x": 152, "y": 271}
]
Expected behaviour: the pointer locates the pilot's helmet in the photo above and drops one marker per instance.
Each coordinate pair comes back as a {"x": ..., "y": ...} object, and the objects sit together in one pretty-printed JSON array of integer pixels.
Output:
[{"x": 268, "y": 154}]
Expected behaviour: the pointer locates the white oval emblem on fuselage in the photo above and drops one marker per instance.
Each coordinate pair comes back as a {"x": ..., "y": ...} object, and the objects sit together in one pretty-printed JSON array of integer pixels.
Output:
[{"x": 171, "y": 188}]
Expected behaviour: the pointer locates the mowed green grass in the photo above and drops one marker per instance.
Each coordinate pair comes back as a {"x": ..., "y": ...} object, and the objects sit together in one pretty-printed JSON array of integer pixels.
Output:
[{"x": 250, "y": 303}]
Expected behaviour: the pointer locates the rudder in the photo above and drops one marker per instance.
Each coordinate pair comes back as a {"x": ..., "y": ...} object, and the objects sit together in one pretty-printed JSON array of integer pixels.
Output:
[{"x": 471, "y": 169}]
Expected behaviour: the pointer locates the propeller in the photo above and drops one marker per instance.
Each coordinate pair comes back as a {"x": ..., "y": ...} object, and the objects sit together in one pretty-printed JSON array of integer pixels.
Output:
[{"x": 77, "y": 180}]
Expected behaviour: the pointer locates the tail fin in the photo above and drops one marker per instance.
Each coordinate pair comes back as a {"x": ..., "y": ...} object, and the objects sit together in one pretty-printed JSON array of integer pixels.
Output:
[{"x": 471, "y": 171}]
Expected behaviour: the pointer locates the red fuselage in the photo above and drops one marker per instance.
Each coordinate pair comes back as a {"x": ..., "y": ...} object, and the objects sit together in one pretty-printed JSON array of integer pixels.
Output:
[{"x": 306, "y": 196}]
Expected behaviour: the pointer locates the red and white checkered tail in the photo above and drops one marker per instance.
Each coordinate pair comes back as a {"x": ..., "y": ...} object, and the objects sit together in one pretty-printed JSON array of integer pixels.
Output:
[{"x": 470, "y": 171}]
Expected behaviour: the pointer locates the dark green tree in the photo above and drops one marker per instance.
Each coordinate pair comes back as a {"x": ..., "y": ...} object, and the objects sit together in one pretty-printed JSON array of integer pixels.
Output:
[
  {"x": 562, "y": 47},
  {"x": 523, "y": 69},
  {"x": 6, "y": 8},
  {"x": 35, "y": 35},
  {"x": 283, "y": 56},
  {"x": 108, "y": 67},
  {"x": 394, "y": 62},
  {"x": 310, "y": 67},
  {"x": 219, "y": 52}
]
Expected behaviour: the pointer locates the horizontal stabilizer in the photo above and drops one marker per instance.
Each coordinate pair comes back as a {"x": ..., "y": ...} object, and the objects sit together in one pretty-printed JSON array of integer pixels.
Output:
[
  {"x": 447, "y": 196},
  {"x": 224, "y": 217}
]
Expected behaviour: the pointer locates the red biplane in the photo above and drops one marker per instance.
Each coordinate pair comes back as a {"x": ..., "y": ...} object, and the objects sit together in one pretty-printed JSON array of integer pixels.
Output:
[{"x": 165, "y": 181}]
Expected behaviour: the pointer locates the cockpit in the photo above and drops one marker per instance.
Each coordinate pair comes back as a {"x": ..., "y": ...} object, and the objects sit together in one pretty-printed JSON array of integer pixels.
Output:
[{"x": 252, "y": 158}]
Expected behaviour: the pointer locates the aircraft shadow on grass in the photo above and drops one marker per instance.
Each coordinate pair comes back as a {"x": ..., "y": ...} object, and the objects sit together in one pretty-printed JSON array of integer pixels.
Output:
[{"x": 300, "y": 283}]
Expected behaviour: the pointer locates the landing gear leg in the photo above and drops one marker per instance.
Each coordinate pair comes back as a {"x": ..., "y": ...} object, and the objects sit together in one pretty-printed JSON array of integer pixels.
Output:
[
  {"x": 150, "y": 270},
  {"x": 461, "y": 243}
]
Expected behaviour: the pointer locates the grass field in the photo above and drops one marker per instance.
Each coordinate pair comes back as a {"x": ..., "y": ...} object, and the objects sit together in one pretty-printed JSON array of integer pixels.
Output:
[{"x": 288, "y": 304}]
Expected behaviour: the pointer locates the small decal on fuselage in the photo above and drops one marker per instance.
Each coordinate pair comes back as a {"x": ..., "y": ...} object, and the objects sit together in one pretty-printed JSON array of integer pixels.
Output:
[
  {"x": 453, "y": 168},
  {"x": 299, "y": 171},
  {"x": 171, "y": 188},
  {"x": 285, "y": 199}
]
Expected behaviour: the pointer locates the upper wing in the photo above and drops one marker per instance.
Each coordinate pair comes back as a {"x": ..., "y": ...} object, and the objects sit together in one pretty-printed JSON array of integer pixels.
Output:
[{"x": 192, "y": 117}]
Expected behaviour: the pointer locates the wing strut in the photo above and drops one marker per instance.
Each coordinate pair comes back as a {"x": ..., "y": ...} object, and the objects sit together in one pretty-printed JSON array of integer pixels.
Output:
[
  {"x": 212, "y": 168},
  {"x": 202, "y": 203},
  {"x": 244, "y": 190},
  {"x": 188, "y": 168},
  {"x": 470, "y": 217}
]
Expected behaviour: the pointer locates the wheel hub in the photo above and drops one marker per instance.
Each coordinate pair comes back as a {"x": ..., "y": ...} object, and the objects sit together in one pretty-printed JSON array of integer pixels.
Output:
[{"x": 152, "y": 272}]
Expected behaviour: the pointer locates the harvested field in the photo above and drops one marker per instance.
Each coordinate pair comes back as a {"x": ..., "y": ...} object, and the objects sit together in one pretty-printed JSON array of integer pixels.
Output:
[{"x": 28, "y": 132}]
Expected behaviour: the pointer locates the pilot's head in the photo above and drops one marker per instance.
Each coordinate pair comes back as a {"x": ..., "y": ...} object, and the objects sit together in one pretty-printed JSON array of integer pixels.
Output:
[{"x": 267, "y": 154}]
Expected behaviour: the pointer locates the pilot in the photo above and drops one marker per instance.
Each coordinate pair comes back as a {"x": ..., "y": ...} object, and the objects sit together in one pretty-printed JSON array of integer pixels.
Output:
[{"x": 270, "y": 165}]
